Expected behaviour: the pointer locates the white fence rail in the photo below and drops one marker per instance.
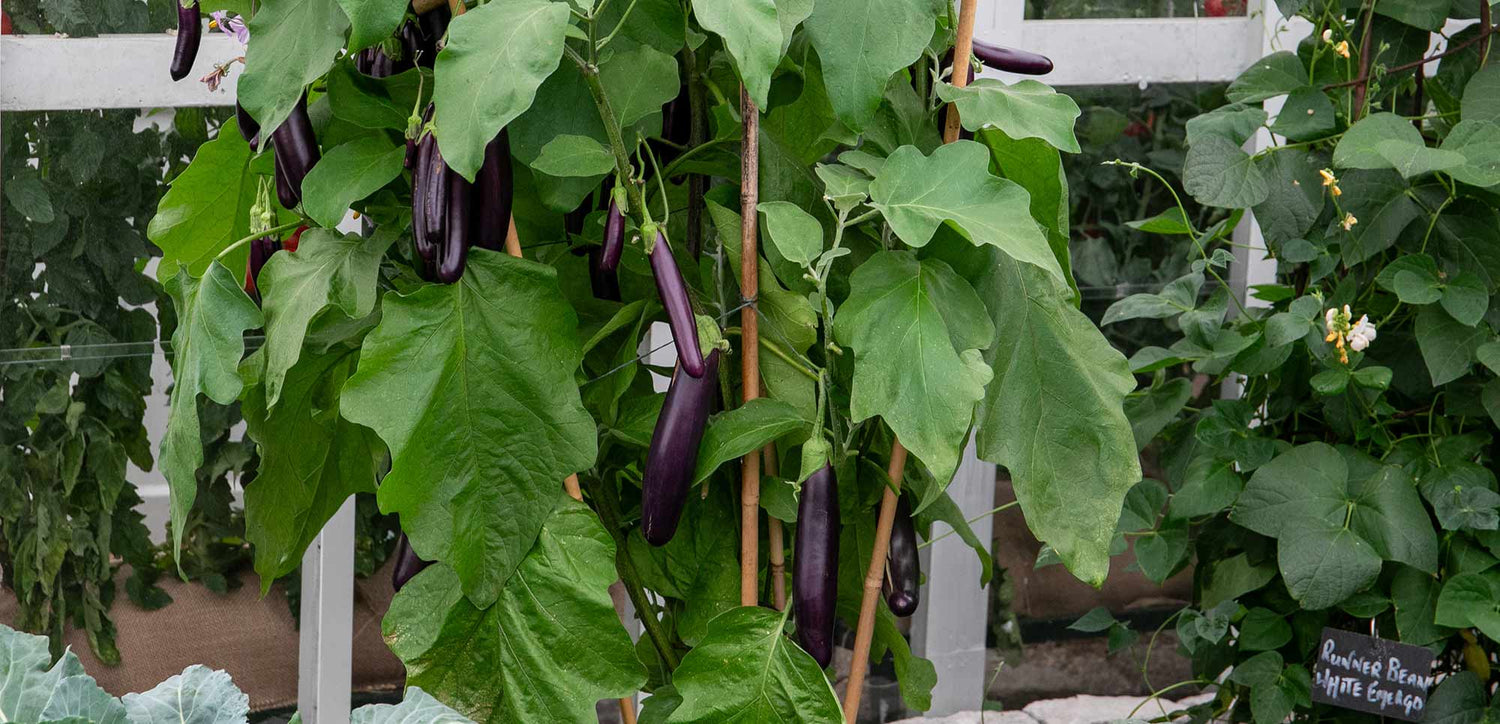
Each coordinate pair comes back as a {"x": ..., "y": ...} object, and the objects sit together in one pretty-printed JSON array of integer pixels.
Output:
[{"x": 129, "y": 71}]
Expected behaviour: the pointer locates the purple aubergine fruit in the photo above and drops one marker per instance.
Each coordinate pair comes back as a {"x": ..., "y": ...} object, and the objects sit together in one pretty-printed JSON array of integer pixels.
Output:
[
  {"x": 674, "y": 297},
  {"x": 815, "y": 567},
  {"x": 903, "y": 570},
  {"x": 673, "y": 456}
]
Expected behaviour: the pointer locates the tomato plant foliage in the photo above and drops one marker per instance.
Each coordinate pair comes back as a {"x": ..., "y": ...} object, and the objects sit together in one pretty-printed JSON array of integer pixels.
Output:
[{"x": 908, "y": 290}]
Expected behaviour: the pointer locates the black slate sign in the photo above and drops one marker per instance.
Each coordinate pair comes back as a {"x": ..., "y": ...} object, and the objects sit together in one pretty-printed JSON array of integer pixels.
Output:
[{"x": 1375, "y": 676}]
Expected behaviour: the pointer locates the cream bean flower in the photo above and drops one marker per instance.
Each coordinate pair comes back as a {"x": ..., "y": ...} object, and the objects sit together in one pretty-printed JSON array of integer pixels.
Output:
[{"x": 1345, "y": 335}]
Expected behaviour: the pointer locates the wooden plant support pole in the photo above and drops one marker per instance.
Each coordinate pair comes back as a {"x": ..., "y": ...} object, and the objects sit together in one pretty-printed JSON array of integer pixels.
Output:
[
  {"x": 570, "y": 483},
  {"x": 749, "y": 346},
  {"x": 773, "y": 524},
  {"x": 963, "y": 50},
  {"x": 874, "y": 574}
]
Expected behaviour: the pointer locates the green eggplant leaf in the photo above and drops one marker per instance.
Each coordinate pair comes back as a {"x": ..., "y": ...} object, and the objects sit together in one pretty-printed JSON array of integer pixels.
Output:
[
  {"x": 916, "y": 329},
  {"x": 548, "y": 648},
  {"x": 464, "y": 391}
]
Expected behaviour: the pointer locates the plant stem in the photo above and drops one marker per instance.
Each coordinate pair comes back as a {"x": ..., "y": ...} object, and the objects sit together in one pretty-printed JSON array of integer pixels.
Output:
[
  {"x": 981, "y": 516},
  {"x": 785, "y": 356},
  {"x": 268, "y": 232},
  {"x": 612, "y": 130},
  {"x": 608, "y": 505}
]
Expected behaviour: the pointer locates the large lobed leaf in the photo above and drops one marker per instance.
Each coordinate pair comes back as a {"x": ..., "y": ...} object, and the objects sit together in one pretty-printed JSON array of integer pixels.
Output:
[
  {"x": 1025, "y": 109},
  {"x": 487, "y": 74},
  {"x": 917, "y": 193},
  {"x": 481, "y": 411},
  {"x": 348, "y": 173},
  {"x": 311, "y": 459},
  {"x": 213, "y": 313},
  {"x": 917, "y": 329},
  {"x": 746, "y": 670},
  {"x": 1054, "y": 415},
  {"x": 296, "y": 41},
  {"x": 328, "y": 270},
  {"x": 548, "y": 648},
  {"x": 207, "y": 206},
  {"x": 751, "y": 30},
  {"x": 862, "y": 43}
]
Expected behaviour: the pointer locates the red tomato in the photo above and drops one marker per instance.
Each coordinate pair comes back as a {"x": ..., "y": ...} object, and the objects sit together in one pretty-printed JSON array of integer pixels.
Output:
[
  {"x": 1215, "y": 8},
  {"x": 296, "y": 238}
]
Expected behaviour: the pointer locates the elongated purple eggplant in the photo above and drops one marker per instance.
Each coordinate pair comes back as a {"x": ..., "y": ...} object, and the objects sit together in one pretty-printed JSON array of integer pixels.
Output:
[
  {"x": 815, "y": 568},
  {"x": 436, "y": 195},
  {"x": 423, "y": 244},
  {"x": 364, "y": 60},
  {"x": 408, "y": 563},
  {"x": 189, "y": 37},
  {"x": 248, "y": 127},
  {"x": 614, "y": 238},
  {"x": 605, "y": 283},
  {"x": 673, "y": 455},
  {"x": 260, "y": 252},
  {"x": 903, "y": 570},
  {"x": 674, "y": 296},
  {"x": 493, "y": 189},
  {"x": 1012, "y": 60},
  {"x": 457, "y": 234},
  {"x": 284, "y": 191},
  {"x": 296, "y": 152}
]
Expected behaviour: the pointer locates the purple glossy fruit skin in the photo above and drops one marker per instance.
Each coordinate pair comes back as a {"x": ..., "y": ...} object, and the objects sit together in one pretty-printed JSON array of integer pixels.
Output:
[
  {"x": 285, "y": 194},
  {"x": 605, "y": 283},
  {"x": 260, "y": 252},
  {"x": 189, "y": 37},
  {"x": 436, "y": 194},
  {"x": 296, "y": 148},
  {"x": 408, "y": 564},
  {"x": 815, "y": 567},
  {"x": 903, "y": 570},
  {"x": 673, "y": 456},
  {"x": 423, "y": 245},
  {"x": 614, "y": 237},
  {"x": 1011, "y": 60},
  {"x": 674, "y": 297},
  {"x": 249, "y": 129},
  {"x": 493, "y": 190},
  {"x": 454, "y": 253}
]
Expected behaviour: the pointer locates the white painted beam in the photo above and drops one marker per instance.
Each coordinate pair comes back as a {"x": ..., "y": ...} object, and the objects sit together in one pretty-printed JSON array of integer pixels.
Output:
[
  {"x": 1129, "y": 51},
  {"x": 325, "y": 648},
  {"x": 45, "y": 73},
  {"x": 949, "y": 628}
]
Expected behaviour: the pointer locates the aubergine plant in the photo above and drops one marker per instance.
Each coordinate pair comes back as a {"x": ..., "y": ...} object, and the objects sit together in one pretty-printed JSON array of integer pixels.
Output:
[
  {"x": 1350, "y": 481},
  {"x": 907, "y": 289}
]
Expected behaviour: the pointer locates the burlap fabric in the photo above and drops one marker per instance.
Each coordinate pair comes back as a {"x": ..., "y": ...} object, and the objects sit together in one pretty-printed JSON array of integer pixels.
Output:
[{"x": 253, "y": 639}]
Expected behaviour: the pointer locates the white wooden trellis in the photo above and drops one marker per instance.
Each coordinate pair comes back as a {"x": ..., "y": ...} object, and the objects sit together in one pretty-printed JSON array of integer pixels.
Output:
[{"x": 129, "y": 71}]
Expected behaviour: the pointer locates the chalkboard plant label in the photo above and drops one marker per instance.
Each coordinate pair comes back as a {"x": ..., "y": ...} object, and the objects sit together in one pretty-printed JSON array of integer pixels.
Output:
[{"x": 1375, "y": 676}]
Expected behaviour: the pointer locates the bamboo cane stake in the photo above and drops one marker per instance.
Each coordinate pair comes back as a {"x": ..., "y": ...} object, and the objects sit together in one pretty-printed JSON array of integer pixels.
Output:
[
  {"x": 962, "y": 50},
  {"x": 874, "y": 574},
  {"x": 749, "y": 345},
  {"x": 778, "y": 554},
  {"x": 865, "y": 631}
]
